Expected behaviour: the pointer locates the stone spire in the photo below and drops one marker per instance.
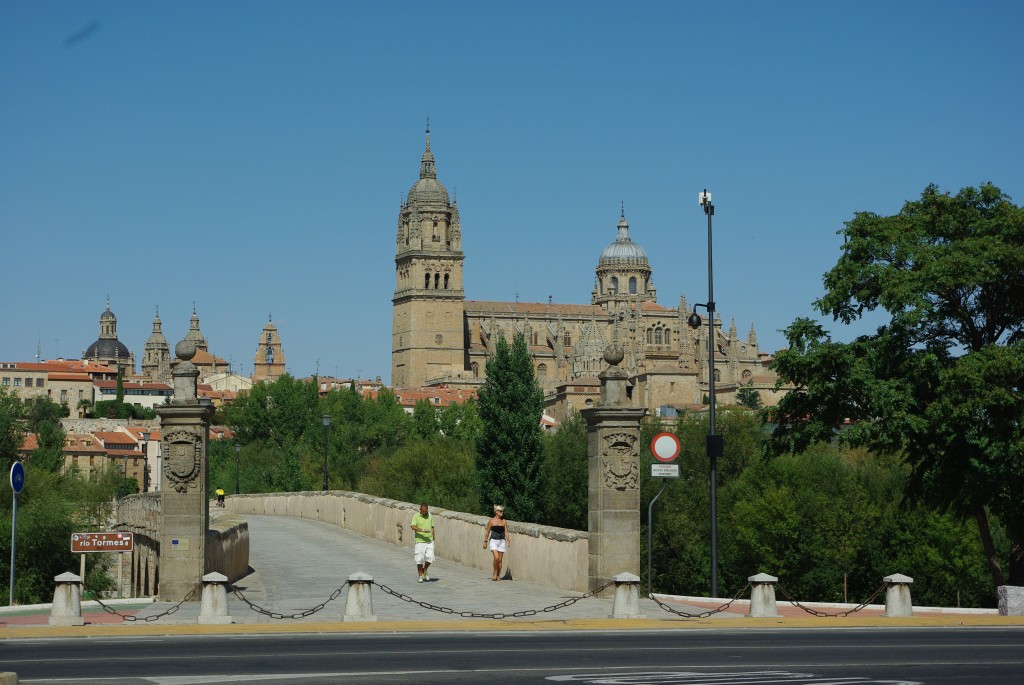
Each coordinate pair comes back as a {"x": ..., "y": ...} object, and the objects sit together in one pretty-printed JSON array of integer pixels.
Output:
[
  {"x": 156, "y": 355},
  {"x": 752, "y": 335},
  {"x": 194, "y": 334}
]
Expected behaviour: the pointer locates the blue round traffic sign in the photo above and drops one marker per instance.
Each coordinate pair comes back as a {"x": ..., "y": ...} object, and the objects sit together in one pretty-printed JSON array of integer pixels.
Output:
[{"x": 17, "y": 476}]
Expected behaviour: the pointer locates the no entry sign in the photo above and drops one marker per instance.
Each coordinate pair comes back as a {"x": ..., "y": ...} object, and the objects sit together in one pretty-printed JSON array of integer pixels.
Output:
[{"x": 665, "y": 447}]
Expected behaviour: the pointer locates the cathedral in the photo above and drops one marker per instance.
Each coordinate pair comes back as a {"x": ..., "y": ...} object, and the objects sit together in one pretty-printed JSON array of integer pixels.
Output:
[{"x": 439, "y": 338}]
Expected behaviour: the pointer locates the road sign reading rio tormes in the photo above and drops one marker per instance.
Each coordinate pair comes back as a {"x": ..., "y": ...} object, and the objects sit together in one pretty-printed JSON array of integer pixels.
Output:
[{"x": 101, "y": 542}]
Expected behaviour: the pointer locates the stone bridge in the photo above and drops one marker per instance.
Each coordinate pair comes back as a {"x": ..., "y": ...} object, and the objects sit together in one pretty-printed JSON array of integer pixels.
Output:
[{"x": 555, "y": 557}]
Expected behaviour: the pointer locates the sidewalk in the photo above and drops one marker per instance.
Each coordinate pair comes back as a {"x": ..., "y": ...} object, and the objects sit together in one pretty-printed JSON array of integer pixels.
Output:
[{"x": 298, "y": 564}]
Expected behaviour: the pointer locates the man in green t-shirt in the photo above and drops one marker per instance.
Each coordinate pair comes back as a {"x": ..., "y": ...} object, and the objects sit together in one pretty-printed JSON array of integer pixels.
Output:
[{"x": 423, "y": 547}]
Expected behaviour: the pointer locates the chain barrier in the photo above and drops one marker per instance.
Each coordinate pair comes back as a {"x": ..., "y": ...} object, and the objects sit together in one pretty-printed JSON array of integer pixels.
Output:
[
  {"x": 823, "y": 614},
  {"x": 128, "y": 618},
  {"x": 301, "y": 614},
  {"x": 474, "y": 614},
  {"x": 705, "y": 614}
]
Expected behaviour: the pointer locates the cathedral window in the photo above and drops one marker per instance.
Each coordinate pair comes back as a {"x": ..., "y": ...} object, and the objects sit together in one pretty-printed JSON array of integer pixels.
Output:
[
  {"x": 718, "y": 376},
  {"x": 668, "y": 337},
  {"x": 426, "y": 280},
  {"x": 533, "y": 338},
  {"x": 542, "y": 372},
  {"x": 746, "y": 374},
  {"x": 632, "y": 285},
  {"x": 446, "y": 276},
  {"x": 476, "y": 369},
  {"x": 657, "y": 336},
  {"x": 566, "y": 339},
  {"x": 437, "y": 280},
  {"x": 650, "y": 336},
  {"x": 614, "y": 285}
]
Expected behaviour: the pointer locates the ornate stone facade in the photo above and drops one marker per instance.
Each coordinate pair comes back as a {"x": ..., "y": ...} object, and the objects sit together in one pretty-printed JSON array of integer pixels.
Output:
[
  {"x": 108, "y": 349},
  {"x": 441, "y": 338}
]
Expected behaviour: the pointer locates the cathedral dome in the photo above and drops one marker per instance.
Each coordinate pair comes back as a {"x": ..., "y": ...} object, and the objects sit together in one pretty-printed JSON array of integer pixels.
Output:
[
  {"x": 428, "y": 191},
  {"x": 107, "y": 348},
  {"x": 623, "y": 252}
]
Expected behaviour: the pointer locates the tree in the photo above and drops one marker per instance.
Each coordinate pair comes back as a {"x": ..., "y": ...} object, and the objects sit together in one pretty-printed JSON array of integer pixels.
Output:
[
  {"x": 439, "y": 471},
  {"x": 11, "y": 430},
  {"x": 564, "y": 475},
  {"x": 942, "y": 378},
  {"x": 508, "y": 452},
  {"x": 748, "y": 397}
]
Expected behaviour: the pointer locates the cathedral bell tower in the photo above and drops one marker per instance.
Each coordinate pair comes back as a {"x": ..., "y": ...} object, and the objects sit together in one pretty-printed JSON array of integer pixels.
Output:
[{"x": 427, "y": 327}]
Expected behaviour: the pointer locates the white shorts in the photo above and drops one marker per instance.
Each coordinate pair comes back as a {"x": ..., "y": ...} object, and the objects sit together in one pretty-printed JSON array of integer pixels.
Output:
[
  {"x": 423, "y": 552},
  {"x": 497, "y": 545}
]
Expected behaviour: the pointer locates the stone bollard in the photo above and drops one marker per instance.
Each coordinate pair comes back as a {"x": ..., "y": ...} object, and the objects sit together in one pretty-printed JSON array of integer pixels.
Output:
[
  {"x": 897, "y": 595},
  {"x": 1011, "y": 600},
  {"x": 762, "y": 596},
  {"x": 213, "y": 606},
  {"x": 626, "y": 603},
  {"x": 67, "y": 601},
  {"x": 359, "y": 604}
]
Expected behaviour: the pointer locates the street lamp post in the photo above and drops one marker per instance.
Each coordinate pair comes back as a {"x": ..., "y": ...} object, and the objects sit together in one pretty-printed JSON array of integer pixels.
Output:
[
  {"x": 714, "y": 441},
  {"x": 326, "y": 418},
  {"x": 125, "y": 486},
  {"x": 238, "y": 452},
  {"x": 145, "y": 461}
]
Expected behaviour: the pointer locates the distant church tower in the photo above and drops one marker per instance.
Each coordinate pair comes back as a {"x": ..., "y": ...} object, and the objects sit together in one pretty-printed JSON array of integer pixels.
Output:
[
  {"x": 156, "y": 354},
  {"x": 268, "y": 364},
  {"x": 427, "y": 327}
]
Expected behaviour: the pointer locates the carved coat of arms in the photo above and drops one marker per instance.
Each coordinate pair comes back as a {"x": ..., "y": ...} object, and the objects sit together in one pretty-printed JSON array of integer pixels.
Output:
[
  {"x": 183, "y": 459},
  {"x": 621, "y": 461}
]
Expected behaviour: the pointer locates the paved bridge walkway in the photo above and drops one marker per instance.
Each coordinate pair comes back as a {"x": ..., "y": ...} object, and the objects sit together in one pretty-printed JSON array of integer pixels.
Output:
[{"x": 297, "y": 564}]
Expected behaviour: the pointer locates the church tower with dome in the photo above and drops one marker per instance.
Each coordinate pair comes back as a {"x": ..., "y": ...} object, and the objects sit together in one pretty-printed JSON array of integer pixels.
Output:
[
  {"x": 427, "y": 341},
  {"x": 440, "y": 338},
  {"x": 108, "y": 349}
]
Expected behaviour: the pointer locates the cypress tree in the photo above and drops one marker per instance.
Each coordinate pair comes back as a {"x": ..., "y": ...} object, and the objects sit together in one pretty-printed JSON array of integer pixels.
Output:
[{"x": 509, "y": 449}]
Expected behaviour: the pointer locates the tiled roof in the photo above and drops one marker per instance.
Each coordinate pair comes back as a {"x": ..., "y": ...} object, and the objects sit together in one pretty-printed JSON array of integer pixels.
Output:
[{"x": 115, "y": 438}]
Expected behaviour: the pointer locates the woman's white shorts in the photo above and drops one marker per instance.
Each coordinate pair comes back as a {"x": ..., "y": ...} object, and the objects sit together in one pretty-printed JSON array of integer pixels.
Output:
[
  {"x": 423, "y": 552},
  {"x": 497, "y": 545}
]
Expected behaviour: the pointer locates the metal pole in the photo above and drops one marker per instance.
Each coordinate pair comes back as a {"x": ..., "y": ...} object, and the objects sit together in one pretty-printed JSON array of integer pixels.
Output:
[
  {"x": 712, "y": 449},
  {"x": 238, "y": 450},
  {"x": 326, "y": 428},
  {"x": 650, "y": 525},
  {"x": 14, "y": 543}
]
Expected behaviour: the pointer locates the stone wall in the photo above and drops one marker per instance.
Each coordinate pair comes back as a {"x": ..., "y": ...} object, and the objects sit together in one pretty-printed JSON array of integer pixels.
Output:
[{"x": 539, "y": 554}]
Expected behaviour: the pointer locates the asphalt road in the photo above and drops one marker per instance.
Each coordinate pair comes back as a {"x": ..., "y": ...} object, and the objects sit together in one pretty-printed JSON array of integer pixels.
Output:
[{"x": 891, "y": 656}]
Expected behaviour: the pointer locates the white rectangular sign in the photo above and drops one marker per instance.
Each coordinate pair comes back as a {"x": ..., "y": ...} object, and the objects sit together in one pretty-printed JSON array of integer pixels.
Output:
[{"x": 664, "y": 470}]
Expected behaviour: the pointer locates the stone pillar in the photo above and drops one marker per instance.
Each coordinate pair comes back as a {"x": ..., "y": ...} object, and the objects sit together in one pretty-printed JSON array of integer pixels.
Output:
[
  {"x": 762, "y": 596},
  {"x": 897, "y": 595},
  {"x": 185, "y": 509},
  {"x": 66, "y": 609},
  {"x": 1011, "y": 600},
  {"x": 613, "y": 477},
  {"x": 626, "y": 603},
  {"x": 359, "y": 603},
  {"x": 213, "y": 607}
]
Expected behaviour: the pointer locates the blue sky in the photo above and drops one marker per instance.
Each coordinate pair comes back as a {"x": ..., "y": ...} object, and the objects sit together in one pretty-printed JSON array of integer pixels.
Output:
[{"x": 250, "y": 156}]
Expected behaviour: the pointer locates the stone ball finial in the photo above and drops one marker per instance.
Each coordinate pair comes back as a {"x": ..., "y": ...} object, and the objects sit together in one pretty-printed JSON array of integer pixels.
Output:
[
  {"x": 185, "y": 350},
  {"x": 614, "y": 354}
]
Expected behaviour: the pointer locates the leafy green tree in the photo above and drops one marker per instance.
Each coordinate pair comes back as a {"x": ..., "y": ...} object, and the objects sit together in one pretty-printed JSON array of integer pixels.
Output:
[
  {"x": 439, "y": 471},
  {"x": 42, "y": 417},
  {"x": 941, "y": 379},
  {"x": 280, "y": 412},
  {"x": 424, "y": 419},
  {"x": 461, "y": 420},
  {"x": 748, "y": 397},
  {"x": 509, "y": 450},
  {"x": 11, "y": 427},
  {"x": 563, "y": 475}
]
